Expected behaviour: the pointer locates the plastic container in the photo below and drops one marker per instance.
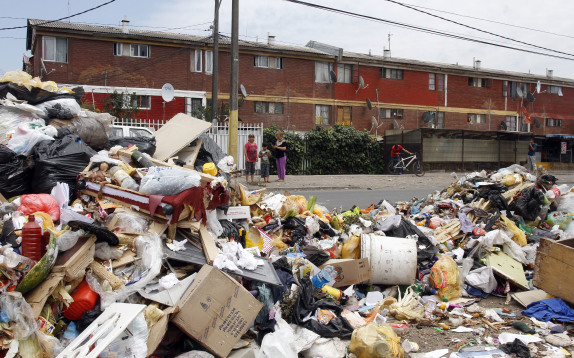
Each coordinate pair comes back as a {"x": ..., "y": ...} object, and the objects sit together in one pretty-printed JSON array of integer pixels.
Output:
[
  {"x": 210, "y": 168},
  {"x": 393, "y": 260},
  {"x": 84, "y": 300},
  {"x": 325, "y": 277},
  {"x": 32, "y": 239},
  {"x": 123, "y": 179},
  {"x": 141, "y": 160}
]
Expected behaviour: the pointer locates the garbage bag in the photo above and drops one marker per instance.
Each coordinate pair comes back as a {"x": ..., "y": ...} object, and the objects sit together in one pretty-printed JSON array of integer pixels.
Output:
[
  {"x": 59, "y": 161},
  {"x": 144, "y": 144},
  {"x": 209, "y": 152},
  {"x": 445, "y": 278},
  {"x": 374, "y": 340},
  {"x": 315, "y": 255},
  {"x": 94, "y": 129},
  {"x": 307, "y": 304},
  {"x": 15, "y": 173},
  {"x": 168, "y": 181},
  {"x": 406, "y": 228},
  {"x": 298, "y": 229},
  {"x": 36, "y": 95},
  {"x": 61, "y": 108},
  {"x": 31, "y": 203},
  {"x": 528, "y": 204}
]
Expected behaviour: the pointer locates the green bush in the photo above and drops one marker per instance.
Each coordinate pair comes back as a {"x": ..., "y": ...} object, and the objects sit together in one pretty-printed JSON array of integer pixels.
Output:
[{"x": 338, "y": 150}]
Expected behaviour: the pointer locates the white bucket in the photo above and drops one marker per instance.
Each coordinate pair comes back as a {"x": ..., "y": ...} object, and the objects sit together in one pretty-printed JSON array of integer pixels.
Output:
[{"x": 393, "y": 260}]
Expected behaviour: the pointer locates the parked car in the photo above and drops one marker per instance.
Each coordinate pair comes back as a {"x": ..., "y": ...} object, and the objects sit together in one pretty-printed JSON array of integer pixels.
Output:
[{"x": 130, "y": 131}]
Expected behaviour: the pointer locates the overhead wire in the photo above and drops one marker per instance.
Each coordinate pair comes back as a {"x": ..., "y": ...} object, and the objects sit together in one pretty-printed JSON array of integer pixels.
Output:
[{"x": 423, "y": 29}]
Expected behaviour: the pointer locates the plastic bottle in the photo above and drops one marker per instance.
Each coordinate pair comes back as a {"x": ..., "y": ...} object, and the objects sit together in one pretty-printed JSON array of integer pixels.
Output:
[
  {"x": 32, "y": 239},
  {"x": 123, "y": 178},
  {"x": 141, "y": 160}
]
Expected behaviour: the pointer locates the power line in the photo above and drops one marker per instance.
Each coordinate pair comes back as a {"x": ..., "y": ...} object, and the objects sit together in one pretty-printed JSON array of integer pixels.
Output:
[
  {"x": 60, "y": 19},
  {"x": 423, "y": 29},
  {"x": 477, "y": 29}
]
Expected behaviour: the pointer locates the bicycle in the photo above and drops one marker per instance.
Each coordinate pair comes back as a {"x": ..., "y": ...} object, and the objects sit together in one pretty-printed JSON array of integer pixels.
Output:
[{"x": 404, "y": 164}]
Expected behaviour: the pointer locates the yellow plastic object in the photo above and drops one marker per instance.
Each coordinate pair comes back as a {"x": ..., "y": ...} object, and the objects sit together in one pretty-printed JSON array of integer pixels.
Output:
[
  {"x": 352, "y": 249},
  {"x": 249, "y": 197},
  {"x": 374, "y": 341},
  {"x": 253, "y": 239},
  {"x": 518, "y": 235},
  {"x": 512, "y": 179},
  {"x": 210, "y": 168},
  {"x": 445, "y": 278}
]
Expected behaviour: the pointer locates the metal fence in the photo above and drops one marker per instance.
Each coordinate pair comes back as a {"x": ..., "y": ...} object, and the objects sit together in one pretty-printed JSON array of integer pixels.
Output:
[
  {"x": 134, "y": 122},
  {"x": 220, "y": 134}
]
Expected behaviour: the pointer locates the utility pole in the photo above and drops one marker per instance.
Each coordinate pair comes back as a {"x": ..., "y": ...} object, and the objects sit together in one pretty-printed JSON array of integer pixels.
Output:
[
  {"x": 233, "y": 110},
  {"x": 215, "y": 78}
]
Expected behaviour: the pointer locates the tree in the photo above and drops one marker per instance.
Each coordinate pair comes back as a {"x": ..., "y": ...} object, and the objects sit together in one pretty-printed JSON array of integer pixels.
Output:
[
  {"x": 121, "y": 105},
  {"x": 205, "y": 112}
]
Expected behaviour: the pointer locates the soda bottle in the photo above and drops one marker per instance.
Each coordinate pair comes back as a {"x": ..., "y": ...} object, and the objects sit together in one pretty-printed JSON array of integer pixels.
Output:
[
  {"x": 32, "y": 239},
  {"x": 141, "y": 160}
]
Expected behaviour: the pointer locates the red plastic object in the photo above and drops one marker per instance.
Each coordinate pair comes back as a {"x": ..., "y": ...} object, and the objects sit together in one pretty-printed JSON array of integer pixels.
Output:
[
  {"x": 30, "y": 203},
  {"x": 32, "y": 239},
  {"x": 84, "y": 300}
]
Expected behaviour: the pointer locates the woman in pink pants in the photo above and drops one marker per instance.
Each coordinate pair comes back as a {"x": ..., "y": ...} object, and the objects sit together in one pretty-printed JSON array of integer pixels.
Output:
[{"x": 280, "y": 155}]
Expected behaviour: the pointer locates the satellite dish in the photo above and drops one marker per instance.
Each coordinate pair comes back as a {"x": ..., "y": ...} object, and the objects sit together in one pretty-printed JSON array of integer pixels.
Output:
[
  {"x": 538, "y": 87},
  {"x": 167, "y": 92},
  {"x": 243, "y": 91},
  {"x": 519, "y": 92},
  {"x": 369, "y": 105},
  {"x": 530, "y": 97},
  {"x": 333, "y": 76},
  {"x": 503, "y": 125},
  {"x": 536, "y": 123},
  {"x": 427, "y": 117},
  {"x": 361, "y": 82}
]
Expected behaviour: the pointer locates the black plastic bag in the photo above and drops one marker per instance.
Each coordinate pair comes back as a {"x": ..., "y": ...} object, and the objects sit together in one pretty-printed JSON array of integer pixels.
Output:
[
  {"x": 405, "y": 229},
  {"x": 298, "y": 229},
  {"x": 102, "y": 234},
  {"x": 144, "y": 144},
  {"x": 233, "y": 230},
  {"x": 315, "y": 255},
  {"x": 517, "y": 348},
  {"x": 15, "y": 173},
  {"x": 59, "y": 161},
  {"x": 307, "y": 304},
  {"x": 209, "y": 152},
  {"x": 528, "y": 204}
]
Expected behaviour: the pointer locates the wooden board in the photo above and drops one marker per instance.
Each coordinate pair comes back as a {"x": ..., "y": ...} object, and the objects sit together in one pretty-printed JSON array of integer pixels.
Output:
[
  {"x": 209, "y": 248},
  {"x": 176, "y": 134},
  {"x": 554, "y": 268}
]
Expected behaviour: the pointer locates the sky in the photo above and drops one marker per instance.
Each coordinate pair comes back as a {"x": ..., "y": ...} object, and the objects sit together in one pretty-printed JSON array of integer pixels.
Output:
[{"x": 363, "y": 26}]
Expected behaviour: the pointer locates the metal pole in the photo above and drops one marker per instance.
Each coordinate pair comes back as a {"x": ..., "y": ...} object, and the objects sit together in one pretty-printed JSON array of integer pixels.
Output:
[
  {"x": 233, "y": 108},
  {"x": 214, "y": 79}
]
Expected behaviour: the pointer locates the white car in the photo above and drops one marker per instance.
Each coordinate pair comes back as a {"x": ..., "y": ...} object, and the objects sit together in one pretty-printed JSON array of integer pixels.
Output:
[{"x": 129, "y": 131}]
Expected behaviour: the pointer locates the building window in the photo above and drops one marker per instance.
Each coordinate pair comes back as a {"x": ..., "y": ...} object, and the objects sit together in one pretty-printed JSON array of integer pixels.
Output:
[
  {"x": 208, "y": 61},
  {"x": 118, "y": 48},
  {"x": 479, "y": 82},
  {"x": 269, "y": 107},
  {"x": 437, "y": 120},
  {"x": 321, "y": 114},
  {"x": 55, "y": 49},
  {"x": 554, "y": 90},
  {"x": 344, "y": 73},
  {"x": 510, "y": 123},
  {"x": 476, "y": 118},
  {"x": 322, "y": 72},
  {"x": 552, "y": 122},
  {"x": 432, "y": 82},
  {"x": 440, "y": 82},
  {"x": 196, "y": 61},
  {"x": 268, "y": 62},
  {"x": 143, "y": 102},
  {"x": 137, "y": 50},
  {"x": 344, "y": 115},
  {"x": 392, "y": 73},
  {"x": 194, "y": 106},
  {"x": 392, "y": 113}
]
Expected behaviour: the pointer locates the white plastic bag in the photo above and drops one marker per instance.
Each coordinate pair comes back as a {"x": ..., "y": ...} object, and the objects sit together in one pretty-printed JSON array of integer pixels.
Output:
[
  {"x": 168, "y": 181},
  {"x": 27, "y": 135},
  {"x": 482, "y": 278}
]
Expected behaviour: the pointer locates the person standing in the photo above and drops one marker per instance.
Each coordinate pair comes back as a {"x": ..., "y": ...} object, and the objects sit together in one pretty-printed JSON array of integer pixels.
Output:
[
  {"x": 532, "y": 156},
  {"x": 264, "y": 154},
  {"x": 250, "y": 153},
  {"x": 280, "y": 155},
  {"x": 396, "y": 157}
]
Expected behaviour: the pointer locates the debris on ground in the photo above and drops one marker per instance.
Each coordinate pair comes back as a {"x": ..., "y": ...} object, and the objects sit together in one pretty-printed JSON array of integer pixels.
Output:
[{"x": 135, "y": 247}]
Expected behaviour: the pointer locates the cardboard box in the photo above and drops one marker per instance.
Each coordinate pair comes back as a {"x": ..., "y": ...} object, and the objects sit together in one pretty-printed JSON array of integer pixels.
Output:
[
  {"x": 554, "y": 268},
  {"x": 73, "y": 263},
  {"x": 216, "y": 311},
  {"x": 349, "y": 271}
]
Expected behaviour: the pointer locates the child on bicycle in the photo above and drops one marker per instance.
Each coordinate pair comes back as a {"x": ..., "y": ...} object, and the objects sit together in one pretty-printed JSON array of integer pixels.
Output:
[{"x": 396, "y": 157}]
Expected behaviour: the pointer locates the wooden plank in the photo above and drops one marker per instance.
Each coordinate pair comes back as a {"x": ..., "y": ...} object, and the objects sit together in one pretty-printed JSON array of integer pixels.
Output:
[{"x": 209, "y": 248}]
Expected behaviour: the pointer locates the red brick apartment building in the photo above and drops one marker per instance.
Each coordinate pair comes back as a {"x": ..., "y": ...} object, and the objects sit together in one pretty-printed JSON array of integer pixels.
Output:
[{"x": 298, "y": 87}]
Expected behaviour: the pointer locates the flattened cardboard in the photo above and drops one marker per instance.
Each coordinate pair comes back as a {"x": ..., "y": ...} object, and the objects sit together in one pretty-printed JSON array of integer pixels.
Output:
[
  {"x": 349, "y": 271},
  {"x": 216, "y": 311},
  {"x": 554, "y": 268},
  {"x": 176, "y": 134},
  {"x": 169, "y": 297},
  {"x": 507, "y": 267},
  {"x": 208, "y": 243},
  {"x": 158, "y": 330},
  {"x": 527, "y": 297},
  {"x": 38, "y": 296},
  {"x": 73, "y": 263}
]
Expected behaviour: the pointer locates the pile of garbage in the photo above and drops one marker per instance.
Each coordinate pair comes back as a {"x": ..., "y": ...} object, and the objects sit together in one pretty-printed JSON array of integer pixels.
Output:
[{"x": 153, "y": 248}]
